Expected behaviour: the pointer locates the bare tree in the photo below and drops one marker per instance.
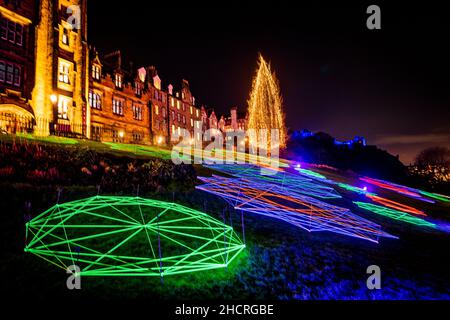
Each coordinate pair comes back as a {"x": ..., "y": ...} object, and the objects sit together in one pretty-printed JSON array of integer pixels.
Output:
[{"x": 434, "y": 156}]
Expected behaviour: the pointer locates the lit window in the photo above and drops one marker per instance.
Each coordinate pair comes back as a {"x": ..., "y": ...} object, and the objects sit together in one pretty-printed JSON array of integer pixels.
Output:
[
  {"x": 196, "y": 112},
  {"x": 157, "y": 82},
  {"x": 19, "y": 34},
  {"x": 179, "y": 117},
  {"x": 63, "y": 107},
  {"x": 192, "y": 122},
  {"x": 118, "y": 80},
  {"x": 173, "y": 115},
  {"x": 163, "y": 111},
  {"x": 137, "y": 112},
  {"x": 172, "y": 102},
  {"x": 2, "y": 71},
  {"x": 65, "y": 36},
  {"x": 11, "y": 31},
  {"x": 117, "y": 135},
  {"x": 95, "y": 100},
  {"x": 3, "y": 28},
  {"x": 9, "y": 73},
  {"x": 178, "y": 104},
  {"x": 191, "y": 109},
  {"x": 64, "y": 72},
  {"x": 156, "y": 110},
  {"x": 137, "y": 136},
  {"x": 96, "y": 72},
  {"x": 117, "y": 106},
  {"x": 184, "y": 119},
  {"x": 173, "y": 128},
  {"x": 138, "y": 88}
]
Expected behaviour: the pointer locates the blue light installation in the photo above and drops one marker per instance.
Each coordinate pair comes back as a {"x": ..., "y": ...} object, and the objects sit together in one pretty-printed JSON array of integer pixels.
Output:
[
  {"x": 302, "y": 211},
  {"x": 293, "y": 182}
]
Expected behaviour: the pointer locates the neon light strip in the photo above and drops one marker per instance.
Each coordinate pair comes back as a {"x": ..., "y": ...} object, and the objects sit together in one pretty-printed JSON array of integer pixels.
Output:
[
  {"x": 390, "y": 186},
  {"x": 355, "y": 189},
  {"x": 394, "y": 214},
  {"x": 411, "y": 192},
  {"x": 310, "y": 173},
  {"x": 395, "y": 205},
  {"x": 435, "y": 196}
]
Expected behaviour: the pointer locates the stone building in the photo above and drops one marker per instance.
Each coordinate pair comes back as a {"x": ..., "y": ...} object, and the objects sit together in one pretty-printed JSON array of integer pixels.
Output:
[
  {"x": 235, "y": 121},
  {"x": 60, "y": 94},
  {"x": 130, "y": 105},
  {"x": 119, "y": 101},
  {"x": 183, "y": 112},
  {"x": 17, "y": 64},
  {"x": 53, "y": 82},
  {"x": 43, "y": 66}
]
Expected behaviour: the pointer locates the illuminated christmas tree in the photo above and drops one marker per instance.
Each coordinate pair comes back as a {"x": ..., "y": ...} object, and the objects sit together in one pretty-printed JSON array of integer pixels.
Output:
[{"x": 265, "y": 107}]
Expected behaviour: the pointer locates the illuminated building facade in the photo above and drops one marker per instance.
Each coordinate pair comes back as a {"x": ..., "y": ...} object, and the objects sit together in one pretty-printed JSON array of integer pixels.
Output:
[
  {"x": 130, "y": 106},
  {"x": 183, "y": 112},
  {"x": 53, "y": 82},
  {"x": 59, "y": 97},
  {"x": 234, "y": 122},
  {"x": 118, "y": 101},
  {"x": 17, "y": 59}
]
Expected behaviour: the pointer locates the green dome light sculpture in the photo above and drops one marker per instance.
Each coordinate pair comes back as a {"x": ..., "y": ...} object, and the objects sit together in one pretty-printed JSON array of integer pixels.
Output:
[{"x": 131, "y": 236}]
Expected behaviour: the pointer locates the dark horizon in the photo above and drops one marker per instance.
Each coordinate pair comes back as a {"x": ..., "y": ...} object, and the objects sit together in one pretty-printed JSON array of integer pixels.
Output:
[{"x": 335, "y": 75}]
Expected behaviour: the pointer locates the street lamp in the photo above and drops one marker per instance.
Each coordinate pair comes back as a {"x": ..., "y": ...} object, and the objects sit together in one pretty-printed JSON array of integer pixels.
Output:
[{"x": 53, "y": 98}]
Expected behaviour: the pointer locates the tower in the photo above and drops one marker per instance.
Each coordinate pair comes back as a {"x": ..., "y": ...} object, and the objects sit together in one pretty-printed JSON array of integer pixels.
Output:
[
  {"x": 234, "y": 123},
  {"x": 59, "y": 98}
]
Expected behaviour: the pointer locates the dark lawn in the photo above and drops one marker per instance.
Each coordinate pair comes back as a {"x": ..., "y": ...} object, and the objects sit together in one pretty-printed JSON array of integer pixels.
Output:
[{"x": 280, "y": 262}]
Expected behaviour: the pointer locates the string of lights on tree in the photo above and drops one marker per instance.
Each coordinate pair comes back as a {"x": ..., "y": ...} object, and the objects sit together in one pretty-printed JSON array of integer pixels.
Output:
[{"x": 265, "y": 109}]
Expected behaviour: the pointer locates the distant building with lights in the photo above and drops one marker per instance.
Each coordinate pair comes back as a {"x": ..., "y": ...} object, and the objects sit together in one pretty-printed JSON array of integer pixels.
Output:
[
  {"x": 53, "y": 82},
  {"x": 356, "y": 141}
]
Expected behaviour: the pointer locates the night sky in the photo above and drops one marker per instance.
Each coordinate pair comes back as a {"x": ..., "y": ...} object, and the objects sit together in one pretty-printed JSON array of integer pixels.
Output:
[{"x": 389, "y": 85}]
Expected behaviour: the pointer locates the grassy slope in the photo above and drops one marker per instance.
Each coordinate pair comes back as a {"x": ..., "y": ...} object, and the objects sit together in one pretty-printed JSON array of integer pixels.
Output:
[{"x": 281, "y": 261}]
